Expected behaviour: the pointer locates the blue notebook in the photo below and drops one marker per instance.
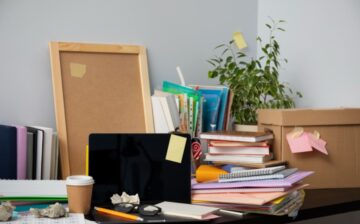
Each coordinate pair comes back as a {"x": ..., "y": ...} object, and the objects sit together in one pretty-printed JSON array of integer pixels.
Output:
[
  {"x": 222, "y": 93},
  {"x": 8, "y": 154}
]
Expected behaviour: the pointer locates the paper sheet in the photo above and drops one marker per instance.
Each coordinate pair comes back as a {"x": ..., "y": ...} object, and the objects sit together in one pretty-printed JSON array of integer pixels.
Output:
[
  {"x": 74, "y": 218},
  {"x": 176, "y": 148},
  {"x": 239, "y": 40},
  {"x": 77, "y": 70}
]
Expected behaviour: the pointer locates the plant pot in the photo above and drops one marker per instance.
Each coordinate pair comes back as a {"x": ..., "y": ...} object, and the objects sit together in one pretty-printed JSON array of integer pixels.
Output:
[{"x": 248, "y": 128}]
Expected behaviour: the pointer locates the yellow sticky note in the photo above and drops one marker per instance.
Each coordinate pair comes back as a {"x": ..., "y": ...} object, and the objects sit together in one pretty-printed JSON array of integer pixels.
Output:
[
  {"x": 77, "y": 70},
  {"x": 239, "y": 40},
  {"x": 176, "y": 148}
]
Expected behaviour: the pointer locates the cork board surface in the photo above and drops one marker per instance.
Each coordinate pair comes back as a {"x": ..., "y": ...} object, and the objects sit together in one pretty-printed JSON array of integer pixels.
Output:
[{"x": 102, "y": 93}]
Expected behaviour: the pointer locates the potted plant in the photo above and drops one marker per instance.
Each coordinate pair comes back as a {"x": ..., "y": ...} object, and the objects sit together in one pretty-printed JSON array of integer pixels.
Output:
[{"x": 254, "y": 82}]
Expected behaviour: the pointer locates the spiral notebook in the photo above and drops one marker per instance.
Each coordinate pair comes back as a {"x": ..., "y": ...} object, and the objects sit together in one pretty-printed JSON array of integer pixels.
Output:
[
  {"x": 240, "y": 172},
  {"x": 278, "y": 175}
]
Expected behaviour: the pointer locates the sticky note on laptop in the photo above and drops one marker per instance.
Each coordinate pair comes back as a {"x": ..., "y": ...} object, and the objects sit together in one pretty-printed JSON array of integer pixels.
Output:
[{"x": 176, "y": 148}]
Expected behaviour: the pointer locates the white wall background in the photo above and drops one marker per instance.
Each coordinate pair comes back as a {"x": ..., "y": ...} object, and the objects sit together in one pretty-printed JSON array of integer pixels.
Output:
[
  {"x": 175, "y": 32},
  {"x": 322, "y": 44}
]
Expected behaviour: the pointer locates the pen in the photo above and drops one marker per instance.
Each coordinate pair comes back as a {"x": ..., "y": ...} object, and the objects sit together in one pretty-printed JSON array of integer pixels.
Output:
[{"x": 119, "y": 214}]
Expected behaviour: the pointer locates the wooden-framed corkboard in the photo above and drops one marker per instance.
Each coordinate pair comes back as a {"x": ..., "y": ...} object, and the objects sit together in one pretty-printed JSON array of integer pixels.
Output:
[{"x": 98, "y": 88}]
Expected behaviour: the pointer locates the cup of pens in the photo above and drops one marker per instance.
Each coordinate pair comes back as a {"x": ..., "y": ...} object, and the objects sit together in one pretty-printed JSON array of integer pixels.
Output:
[{"x": 79, "y": 191}]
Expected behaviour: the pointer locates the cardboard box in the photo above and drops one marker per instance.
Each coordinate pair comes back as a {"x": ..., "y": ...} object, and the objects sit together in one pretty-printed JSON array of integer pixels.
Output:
[{"x": 340, "y": 128}]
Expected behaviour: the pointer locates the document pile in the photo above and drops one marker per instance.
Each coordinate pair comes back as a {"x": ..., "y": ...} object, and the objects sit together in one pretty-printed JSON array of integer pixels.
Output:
[{"x": 273, "y": 190}]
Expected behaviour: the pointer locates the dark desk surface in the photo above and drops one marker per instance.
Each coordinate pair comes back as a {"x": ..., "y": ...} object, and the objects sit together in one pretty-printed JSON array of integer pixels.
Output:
[{"x": 318, "y": 203}]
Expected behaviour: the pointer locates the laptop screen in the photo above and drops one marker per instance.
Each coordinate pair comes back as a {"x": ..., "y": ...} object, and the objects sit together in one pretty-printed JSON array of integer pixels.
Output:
[{"x": 136, "y": 164}]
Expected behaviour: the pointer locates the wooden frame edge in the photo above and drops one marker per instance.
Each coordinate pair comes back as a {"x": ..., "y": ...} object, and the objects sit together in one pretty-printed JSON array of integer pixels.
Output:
[
  {"x": 59, "y": 107},
  {"x": 103, "y": 48},
  {"x": 145, "y": 84}
]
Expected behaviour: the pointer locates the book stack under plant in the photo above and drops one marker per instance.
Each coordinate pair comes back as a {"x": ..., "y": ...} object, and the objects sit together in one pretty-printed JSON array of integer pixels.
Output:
[{"x": 252, "y": 149}]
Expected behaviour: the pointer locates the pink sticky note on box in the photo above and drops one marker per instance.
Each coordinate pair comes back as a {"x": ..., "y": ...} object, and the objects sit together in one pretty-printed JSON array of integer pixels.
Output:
[
  {"x": 305, "y": 143},
  {"x": 299, "y": 144},
  {"x": 318, "y": 144}
]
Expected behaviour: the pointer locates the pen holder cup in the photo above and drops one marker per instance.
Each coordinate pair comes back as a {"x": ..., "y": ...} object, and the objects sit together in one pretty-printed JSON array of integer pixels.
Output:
[{"x": 79, "y": 191}]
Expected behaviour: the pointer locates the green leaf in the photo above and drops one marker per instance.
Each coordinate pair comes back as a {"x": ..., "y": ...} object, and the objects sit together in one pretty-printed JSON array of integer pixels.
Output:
[
  {"x": 258, "y": 63},
  {"x": 240, "y": 54},
  {"x": 281, "y": 29},
  {"x": 268, "y": 26},
  {"x": 229, "y": 59},
  {"x": 213, "y": 64},
  {"x": 226, "y": 50},
  {"x": 231, "y": 66},
  {"x": 212, "y": 74},
  {"x": 219, "y": 46}
]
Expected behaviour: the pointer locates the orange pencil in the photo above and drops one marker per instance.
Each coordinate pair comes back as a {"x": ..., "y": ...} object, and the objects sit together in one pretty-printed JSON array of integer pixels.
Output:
[{"x": 119, "y": 214}]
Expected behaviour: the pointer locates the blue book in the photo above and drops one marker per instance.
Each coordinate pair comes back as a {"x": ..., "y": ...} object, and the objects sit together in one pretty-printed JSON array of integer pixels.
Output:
[
  {"x": 223, "y": 93},
  {"x": 210, "y": 111},
  {"x": 8, "y": 152}
]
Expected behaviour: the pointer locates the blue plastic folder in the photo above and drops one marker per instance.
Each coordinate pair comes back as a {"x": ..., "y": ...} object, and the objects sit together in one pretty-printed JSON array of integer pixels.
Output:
[{"x": 8, "y": 152}]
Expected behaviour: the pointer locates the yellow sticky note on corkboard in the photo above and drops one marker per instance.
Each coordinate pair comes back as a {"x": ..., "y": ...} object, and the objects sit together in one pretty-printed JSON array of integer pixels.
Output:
[
  {"x": 239, "y": 40},
  {"x": 176, "y": 148},
  {"x": 77, "y": 70}
]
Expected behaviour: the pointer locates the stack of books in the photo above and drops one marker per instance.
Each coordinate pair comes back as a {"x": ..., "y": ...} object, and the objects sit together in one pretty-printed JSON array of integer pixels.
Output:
[
  {"x": 191, "y": 109},
  {"x": 28, "y": 152},
  {"x": 274, "y": 190},
  {"x": 241, "y": 148}
]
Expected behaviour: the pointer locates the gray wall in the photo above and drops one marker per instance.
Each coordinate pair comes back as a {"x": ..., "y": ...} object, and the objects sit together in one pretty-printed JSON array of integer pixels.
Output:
[
  {"x": 175, "y": 32},
  {"x": 322, "y": 46}
]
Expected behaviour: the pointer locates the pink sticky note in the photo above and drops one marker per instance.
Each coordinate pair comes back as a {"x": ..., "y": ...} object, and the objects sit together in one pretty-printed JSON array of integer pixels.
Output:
[
  {"x": 305, "y": 143},
  {"x": 318, "y": 144},
  {"x": 299, "y": 144}
]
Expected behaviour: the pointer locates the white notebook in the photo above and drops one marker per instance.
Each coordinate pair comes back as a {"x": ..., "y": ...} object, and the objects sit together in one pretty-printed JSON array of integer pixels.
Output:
[
  {"x": 33, "y": 188},
  {"x": 186, "y": 210}
]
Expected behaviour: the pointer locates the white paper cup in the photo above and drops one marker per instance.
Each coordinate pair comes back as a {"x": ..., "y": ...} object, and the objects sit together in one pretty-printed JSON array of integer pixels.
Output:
[{"x": 79, "y": 191}]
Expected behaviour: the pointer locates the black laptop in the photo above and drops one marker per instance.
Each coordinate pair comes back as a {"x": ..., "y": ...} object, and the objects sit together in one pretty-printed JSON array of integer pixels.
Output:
[{"x": 137, "y": 164}]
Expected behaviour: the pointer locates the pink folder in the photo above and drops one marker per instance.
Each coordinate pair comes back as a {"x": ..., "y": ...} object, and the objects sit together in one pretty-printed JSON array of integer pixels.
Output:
[
  {"x": 244, "y": 198},
  {"x": 21, "y": 152}
]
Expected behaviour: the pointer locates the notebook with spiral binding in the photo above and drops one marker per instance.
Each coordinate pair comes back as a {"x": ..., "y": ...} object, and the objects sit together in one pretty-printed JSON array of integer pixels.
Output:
[
  {"x": 278, "y": 175},
  {"x": 240, "y": 172},
  {"x": 286, "y": 182}
]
